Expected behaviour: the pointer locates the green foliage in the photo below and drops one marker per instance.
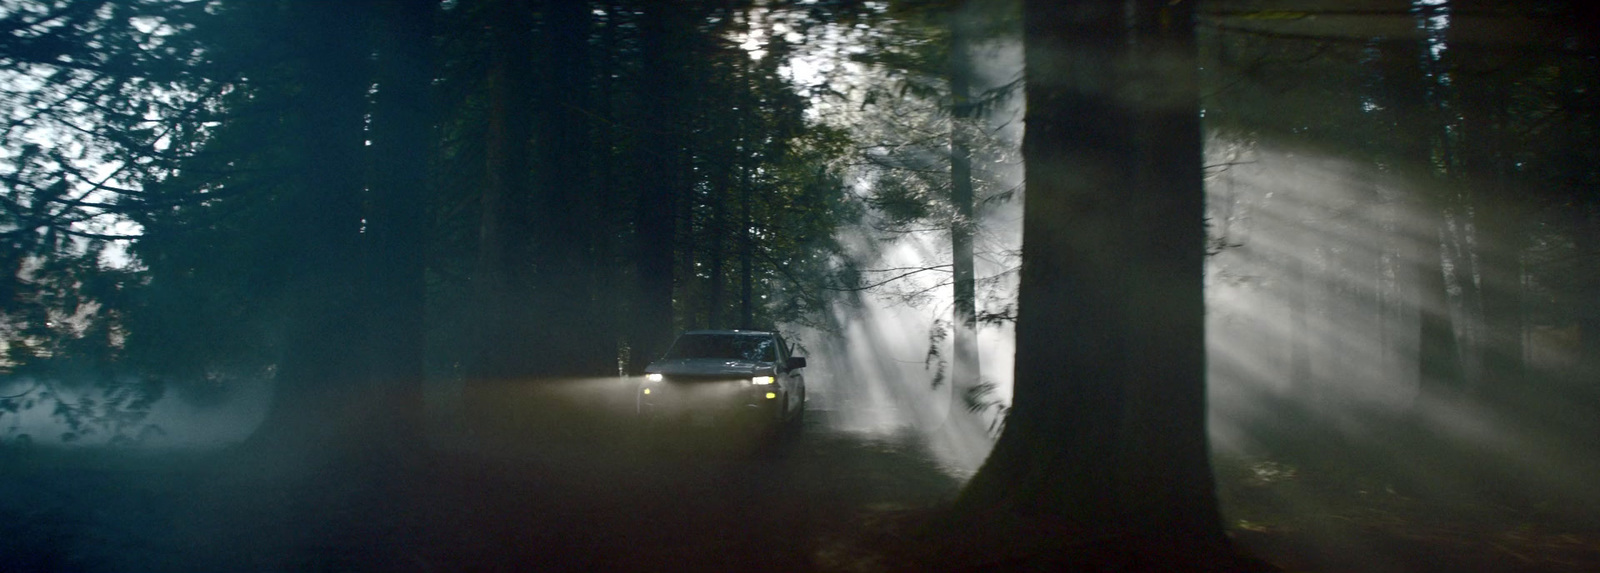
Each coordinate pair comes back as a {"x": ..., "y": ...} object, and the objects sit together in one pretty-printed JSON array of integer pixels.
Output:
[
  {"x": 215, "y": 262},
  {"x": 200, "y": 108},
  {"x": 804, "y": 213},
  {"x": 906, "y": 116}
]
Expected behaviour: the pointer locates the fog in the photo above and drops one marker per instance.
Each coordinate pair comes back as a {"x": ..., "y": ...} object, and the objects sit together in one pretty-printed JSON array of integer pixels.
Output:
[
  {"x": 215, "y": 415},
  {"x": 875, "y": 371},
  {"x": 1371, "y": 405},
  {"x": 1317, "y": 398}
]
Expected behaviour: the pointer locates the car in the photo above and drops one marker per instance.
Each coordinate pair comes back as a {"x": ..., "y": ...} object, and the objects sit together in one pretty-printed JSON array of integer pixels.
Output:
[{"x": 725, "y": 376}]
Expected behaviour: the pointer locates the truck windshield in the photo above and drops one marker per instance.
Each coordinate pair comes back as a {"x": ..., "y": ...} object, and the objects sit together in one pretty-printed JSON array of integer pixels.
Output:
[{"x": 754, "y": 347}]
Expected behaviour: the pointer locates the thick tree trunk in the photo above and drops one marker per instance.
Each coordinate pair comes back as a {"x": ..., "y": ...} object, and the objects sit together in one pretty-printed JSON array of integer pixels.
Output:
[
  {"x": 569, "y": 205},
  {"x": 1585, "y": 21},
  {"x": 661, "y": 189},
  {"x": 1438, "y": 357},
  {"x": 608, "y": 276},
  {"x": 1497, "y": 207},
  {"x": 1167, "y": 486},
  {"x": 717, "y": 252},
  {"x": 321, "y": 214},
  {"x": 397, "y": 238},
  {"x": 1108, "y": 428},
  {"x": 501, "y": 318}
]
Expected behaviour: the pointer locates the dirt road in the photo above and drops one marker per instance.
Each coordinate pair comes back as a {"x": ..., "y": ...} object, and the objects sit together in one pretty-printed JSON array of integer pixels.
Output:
[{"x": 564, "y": 489}]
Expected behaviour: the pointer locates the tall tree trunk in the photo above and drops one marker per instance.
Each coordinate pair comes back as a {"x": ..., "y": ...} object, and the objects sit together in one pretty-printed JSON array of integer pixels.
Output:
[
  {"x": 1166, "y": 455},
  {"x": 1107, "y": 431},
  {"x": 1584, "y": 21},
  {"x": 746, "y": 248},
  {"x": 662, "y": 186},
  {"x": 321, "y": 213},
  {"x": 1483, "y": 107},
  {"x": 965, "y": 369},
  {"x": 568, "y": 205},
  {"x": 1501, "y": 251},
  {"x": 686, "y": 277},
  {"x": 1464, "y": 271},
  {"x": 402, "y": 139},
  {"x": 1438, "y": 356},
  {"x": 717, "y": 251},
  {"x": 689, "y": 229},
  {"x": 502, "y": 322},
  {"x": 1299, "y": 324},
  {"x": 608, "y": 277},
  {"x": 501, "y": 315},
  {"x": 1410, "y": 85},
  {"x": 748, "y": 157},
  {"x": 1391, "y": 301}
]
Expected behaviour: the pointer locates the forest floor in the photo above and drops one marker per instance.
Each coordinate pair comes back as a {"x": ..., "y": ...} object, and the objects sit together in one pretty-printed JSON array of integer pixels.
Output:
[
  {"x": 1306, "y": 519},
  {"x": 554, "y": 489},
  {"x": 561, "y": 495}
]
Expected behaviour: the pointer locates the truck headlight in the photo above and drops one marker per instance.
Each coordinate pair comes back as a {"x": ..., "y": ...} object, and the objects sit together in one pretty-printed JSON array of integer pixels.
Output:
[
  {"x": 761, "y": 380},
  {"x": 652, "y": 377}
]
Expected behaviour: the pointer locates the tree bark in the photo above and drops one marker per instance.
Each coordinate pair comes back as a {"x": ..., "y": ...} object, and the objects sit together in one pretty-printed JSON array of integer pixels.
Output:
[
  {"x": 659, "y": 159},
  {"x": 505, "y": 204},
  {"x": 397, "y": 229},
  {"x": 748, "y": 156},
  {"x": 720, "y": 186},
  {"x": 321, "y": 217},
  {"x": 1107, "y": 432},
  {"x": 568, "y": 203},
  {"x": 608, "y": 275},
  {"x": 1497, "y": 208},
  {"x": 1438, "y": 360},
  {"x": 746, "y": 248}
]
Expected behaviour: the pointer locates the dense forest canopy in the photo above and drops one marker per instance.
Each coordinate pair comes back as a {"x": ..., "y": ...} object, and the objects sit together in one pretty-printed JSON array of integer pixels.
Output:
[
  {"x": 629, "y": 169},
  {"x": 1256, "y": 238}
]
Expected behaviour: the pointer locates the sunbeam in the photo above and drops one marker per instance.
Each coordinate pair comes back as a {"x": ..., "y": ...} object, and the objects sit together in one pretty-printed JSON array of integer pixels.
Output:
[{"x": 1317, "y": 294}]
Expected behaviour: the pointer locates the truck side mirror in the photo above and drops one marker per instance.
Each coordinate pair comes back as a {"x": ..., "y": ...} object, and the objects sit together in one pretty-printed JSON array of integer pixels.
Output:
[{"x": 795, "y": 362}]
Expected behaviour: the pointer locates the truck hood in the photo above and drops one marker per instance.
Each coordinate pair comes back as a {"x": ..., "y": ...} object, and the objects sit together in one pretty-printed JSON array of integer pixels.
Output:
[{"x": 712, "y": 367}]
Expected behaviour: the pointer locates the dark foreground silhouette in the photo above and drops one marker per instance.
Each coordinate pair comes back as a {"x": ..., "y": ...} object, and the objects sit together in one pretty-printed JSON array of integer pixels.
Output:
[
  {"x": 541, "y": 488},
  {"x": 575, "y": 489}
]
